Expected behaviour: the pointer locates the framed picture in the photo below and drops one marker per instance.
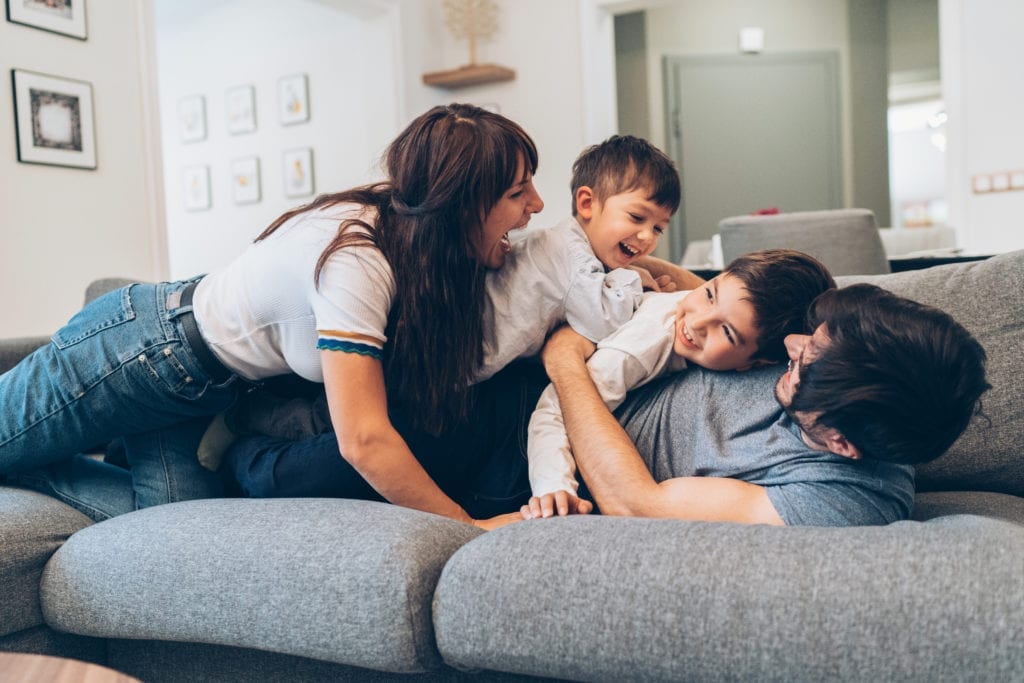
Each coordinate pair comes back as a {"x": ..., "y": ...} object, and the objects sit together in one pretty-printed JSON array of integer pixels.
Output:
[
  {"x": 293, "y": 99},
  {"x": 245, "y": 180},
  {"x": 192, "y": 118},
  {"x": 53, "y": 120},
  {"x": 59, "y": 16},
  {"x": 298, "y": 172},
  {"x": 195, "y": 188},
  {"x": 240, "y": 106}
]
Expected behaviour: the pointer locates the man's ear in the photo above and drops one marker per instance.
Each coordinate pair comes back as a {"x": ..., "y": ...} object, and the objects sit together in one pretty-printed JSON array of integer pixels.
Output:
[
  {"x": 585, "y": 203},
  {"x": 840, "y": 445}
]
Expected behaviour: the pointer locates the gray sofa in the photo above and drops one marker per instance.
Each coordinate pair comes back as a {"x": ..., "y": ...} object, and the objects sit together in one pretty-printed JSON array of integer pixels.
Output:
[{"x": 248, "y": 590}]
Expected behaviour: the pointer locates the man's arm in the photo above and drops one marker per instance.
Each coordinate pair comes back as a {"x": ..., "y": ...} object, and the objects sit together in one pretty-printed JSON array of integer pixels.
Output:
[
  {"x": 612, "y": 467},
  {"x": 684, "y": 279}
]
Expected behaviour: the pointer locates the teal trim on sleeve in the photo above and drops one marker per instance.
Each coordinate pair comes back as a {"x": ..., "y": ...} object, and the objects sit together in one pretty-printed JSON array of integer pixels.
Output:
[{"x": 348, "y": 347}]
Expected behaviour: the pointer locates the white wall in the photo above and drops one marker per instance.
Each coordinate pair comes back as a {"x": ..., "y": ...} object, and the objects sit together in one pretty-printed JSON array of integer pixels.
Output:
[
  {"x": 540, "y": 40},
  {"x": 983, "y": 86},
  {"x": 206, "y": 47},
  {"x": 63, "y": 227}
]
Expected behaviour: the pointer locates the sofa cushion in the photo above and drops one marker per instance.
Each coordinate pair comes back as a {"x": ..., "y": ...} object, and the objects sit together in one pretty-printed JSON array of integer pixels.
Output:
[
  {"x": 339, "y": 580},
  {"x": 986, "y": 297},
  {"x": 32, "y": 527},
  {"x": 604, "y": 598}
]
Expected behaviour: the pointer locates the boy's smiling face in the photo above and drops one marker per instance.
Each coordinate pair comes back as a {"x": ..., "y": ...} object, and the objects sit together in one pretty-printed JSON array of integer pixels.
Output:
[
  {"x": 623, "y": 227},
  {"x": 715, "y": 326}
]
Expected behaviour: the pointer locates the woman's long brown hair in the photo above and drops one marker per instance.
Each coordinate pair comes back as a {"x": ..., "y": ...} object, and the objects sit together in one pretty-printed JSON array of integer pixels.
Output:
[{"x": 445, "y": 172}]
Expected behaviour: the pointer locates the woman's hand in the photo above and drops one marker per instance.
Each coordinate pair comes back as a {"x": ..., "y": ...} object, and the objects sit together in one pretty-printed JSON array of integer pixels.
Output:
[{"x": 498, "y": 521}]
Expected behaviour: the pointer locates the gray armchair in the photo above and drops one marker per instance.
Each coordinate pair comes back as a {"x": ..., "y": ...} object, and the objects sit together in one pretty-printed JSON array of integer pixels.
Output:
[{"x": 847, "y": 241}]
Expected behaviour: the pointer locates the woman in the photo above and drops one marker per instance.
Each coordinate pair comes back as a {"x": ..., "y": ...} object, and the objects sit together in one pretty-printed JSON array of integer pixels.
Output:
[{"x": 362, "y": 290}]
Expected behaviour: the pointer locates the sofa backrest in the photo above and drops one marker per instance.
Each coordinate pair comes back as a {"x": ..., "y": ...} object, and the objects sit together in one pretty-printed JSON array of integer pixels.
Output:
[{"x": 986, "y": 297}]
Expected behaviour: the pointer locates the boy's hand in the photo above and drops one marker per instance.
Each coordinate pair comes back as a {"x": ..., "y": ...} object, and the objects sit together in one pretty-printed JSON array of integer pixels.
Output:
[
  {"x": 561, "y": 502},
  {"x": 664, "y": 283}
]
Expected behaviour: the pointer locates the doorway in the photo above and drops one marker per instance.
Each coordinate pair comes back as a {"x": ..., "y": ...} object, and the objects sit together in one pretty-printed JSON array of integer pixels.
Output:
[{"x": 750, "y": 134}]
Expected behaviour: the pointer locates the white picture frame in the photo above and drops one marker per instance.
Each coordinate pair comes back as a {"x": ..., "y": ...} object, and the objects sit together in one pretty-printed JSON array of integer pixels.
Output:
[
  {"x": 297, "y": 172},
  {"x": 66, "y": 17},
  {"x": 240, "y": 109},
  {"x": 53, "y": 120},
  {"x": 192, "y": 118},
  {"x": 293, "y": 99},
  {"x": 195, "y": 188},
  {"x": 245, "y": 180}
]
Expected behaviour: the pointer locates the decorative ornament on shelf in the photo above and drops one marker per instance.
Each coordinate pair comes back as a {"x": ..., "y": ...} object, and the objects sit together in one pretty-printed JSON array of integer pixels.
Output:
[{"x": 470, "y": 20}]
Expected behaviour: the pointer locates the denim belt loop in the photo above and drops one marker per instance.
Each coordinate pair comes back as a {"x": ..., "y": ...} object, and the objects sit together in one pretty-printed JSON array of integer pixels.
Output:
[{"x": 194, "y": 338}]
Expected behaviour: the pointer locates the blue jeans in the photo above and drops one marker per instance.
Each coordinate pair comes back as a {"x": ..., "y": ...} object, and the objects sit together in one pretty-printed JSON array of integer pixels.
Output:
[
  {"x": 121, "y": 367},
  {"x": 481, "y": 464}
]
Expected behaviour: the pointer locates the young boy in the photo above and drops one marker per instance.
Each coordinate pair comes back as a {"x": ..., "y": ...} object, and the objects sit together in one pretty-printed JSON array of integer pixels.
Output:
[
  {"x": 590, "y": 270},
  {"x": 582, "y": 270},
  {"x": 734, "y": 322}
]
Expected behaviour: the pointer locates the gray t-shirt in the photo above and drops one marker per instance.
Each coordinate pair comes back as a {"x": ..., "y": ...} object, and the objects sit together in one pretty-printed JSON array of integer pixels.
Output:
[{"x": 728, "y": 424}]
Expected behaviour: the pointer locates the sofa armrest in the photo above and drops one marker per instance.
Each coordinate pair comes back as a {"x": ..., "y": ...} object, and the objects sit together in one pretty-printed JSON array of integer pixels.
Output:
[{"x": 14, "y": 349}]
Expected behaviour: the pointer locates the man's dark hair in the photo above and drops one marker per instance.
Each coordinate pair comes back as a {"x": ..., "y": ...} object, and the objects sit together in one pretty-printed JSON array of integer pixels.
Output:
[
  {"x": 780, "y": 284},
  {"x": 898, "y": 379},
  {"x": 623, "y": 163}
]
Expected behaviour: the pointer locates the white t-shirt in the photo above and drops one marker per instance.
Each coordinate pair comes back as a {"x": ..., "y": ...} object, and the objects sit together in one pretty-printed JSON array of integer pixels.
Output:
[
  {"x": 263, "y": 315},
  {"x": 552, "y": 276},
  {"x": 632, "y": 356}
]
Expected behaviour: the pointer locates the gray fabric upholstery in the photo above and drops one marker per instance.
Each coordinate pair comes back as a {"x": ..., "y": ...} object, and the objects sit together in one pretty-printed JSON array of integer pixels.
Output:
[
  {"x": 986, "y": 297},
  {"x": 32, "y": 527},
  {"x": 338, "y": 580},
  {"x": 611, "y": 599},
  {"x": 13, "y": 350},
  {"x": 845, "y": 240}
]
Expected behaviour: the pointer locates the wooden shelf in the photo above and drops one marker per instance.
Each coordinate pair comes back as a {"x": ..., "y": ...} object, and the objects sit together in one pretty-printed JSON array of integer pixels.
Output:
[{"x": 474, "y": 74}]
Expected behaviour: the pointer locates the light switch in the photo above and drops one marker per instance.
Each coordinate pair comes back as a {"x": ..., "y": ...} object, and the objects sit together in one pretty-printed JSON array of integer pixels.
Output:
[{"x": 751, "y": 39}]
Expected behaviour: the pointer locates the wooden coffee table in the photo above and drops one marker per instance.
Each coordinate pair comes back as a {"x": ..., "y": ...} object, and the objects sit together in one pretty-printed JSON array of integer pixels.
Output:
[{"x": 28, "y": 668}]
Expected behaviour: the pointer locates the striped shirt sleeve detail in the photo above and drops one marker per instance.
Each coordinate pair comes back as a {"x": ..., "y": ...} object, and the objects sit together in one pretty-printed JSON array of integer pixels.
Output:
[{"x": 349, "y": 342}]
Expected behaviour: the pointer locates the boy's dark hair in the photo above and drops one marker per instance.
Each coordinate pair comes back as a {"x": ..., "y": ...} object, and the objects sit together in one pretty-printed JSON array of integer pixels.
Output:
[
  {"x": 780, "y": 284},
  {"x": 898, "y": 379},
  {"x": 623, "y": 163}
]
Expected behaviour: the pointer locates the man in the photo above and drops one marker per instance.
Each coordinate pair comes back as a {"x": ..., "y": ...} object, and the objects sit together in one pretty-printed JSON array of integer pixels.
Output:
[{"x": 881, "y": 384}]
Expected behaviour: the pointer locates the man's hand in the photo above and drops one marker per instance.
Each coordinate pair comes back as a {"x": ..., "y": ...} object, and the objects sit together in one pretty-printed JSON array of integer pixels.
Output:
[
  {"x": 650, "y": 283},
  {"x": 561, "y": 502}
]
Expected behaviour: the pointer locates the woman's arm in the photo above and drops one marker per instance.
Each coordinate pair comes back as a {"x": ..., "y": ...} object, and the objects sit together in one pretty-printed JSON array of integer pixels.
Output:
[
  {"x": 684, "y": 279},
  {"x": 370, "y": 443}
]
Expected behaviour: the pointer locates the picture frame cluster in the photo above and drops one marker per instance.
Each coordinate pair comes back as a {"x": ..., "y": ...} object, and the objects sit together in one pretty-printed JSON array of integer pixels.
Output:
[
  {"x": 240, "y": 118},
  {"x": 53, "y": 115}
]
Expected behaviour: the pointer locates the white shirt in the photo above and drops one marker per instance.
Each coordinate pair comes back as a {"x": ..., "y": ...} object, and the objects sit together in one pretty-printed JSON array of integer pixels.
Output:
[
  {"x": 262, "y": 314},
  {"x": 550, "y": 277},
  {"x": 635, "y": 354}
]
